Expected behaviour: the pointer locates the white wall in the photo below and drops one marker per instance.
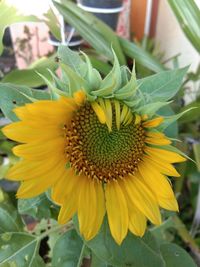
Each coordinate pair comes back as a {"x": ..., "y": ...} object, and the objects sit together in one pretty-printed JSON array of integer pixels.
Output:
[{"x": 171, "y": 40}]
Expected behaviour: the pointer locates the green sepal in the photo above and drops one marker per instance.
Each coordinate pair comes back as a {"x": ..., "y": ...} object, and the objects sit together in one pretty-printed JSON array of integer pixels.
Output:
[
  {"x": 92, "y": 75},
  {"x": 111, "y": 82},
  {"x": 129, "y": 89},
  {"x": 125, "y": 74},
  {"x": 75, "y": 82},
  {"x": 105, "y": 92},
  {"x": 132, "y": 103},
  {"x": 90, "y": 97},
  {"x": 170, "y": 119},
  {"x": 59, "y": 83},
  {"x": 55, "y": 91},
  {"x": 152, "y": 108}
]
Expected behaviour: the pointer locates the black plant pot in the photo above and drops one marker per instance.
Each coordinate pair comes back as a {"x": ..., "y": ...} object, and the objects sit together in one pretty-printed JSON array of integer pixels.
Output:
[
  {"x": 7, "y": 59},
  {"x": 106, "y": 10}
]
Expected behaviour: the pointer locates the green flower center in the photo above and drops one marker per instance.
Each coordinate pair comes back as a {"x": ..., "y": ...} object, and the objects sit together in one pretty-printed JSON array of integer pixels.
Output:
[{"x": 99, "y": 153}]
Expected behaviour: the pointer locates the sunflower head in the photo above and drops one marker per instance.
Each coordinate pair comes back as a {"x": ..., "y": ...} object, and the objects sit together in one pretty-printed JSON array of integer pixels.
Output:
[{"x": 101, "y": 148}]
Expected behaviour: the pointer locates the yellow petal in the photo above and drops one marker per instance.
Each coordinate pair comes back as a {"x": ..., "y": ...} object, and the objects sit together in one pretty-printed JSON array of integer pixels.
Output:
[
  {"x": 162, "y": 166},
  {"x": 99, "y": 112},
  {"x": 34, "y": 187},
  {"x": 117, "y": 113},
  {"x": 26, "y": 169},
  {"x": 159, "y": 185},
  {"x": 69, "y": 181},
  {"x": 68, "y": 208},
  {"x": 144, "y": 117},
  {"x": 41, "y": 150},
  {"x": 79, "y": 97},
  {"x": 86, "y": 207},
  {"x": 155, "y": 134},
  {"x": 157, "y": 141},
  {"x": 108, "y": 114},
  {"x": 124, "y": 112},
  {"x": 51, "y": 109},
  {"x": 137, "y": 222},
  {"x": 117, "y": 211},
  {"x": 100, "y": 211},
  {"x": 47, "y": 111},
  {"x": 153, "y": 123},
  {"x": 129, "y": 117},
  {"x": 21, "y": 132},
  {"x": 137, "y": 119},
  {"x": 142, "y": 198},
  {"x": 165, "y": 155}
]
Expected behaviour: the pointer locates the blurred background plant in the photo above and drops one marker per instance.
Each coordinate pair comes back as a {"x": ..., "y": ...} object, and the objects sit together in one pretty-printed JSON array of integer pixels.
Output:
[{"x": 33, "y": 215}]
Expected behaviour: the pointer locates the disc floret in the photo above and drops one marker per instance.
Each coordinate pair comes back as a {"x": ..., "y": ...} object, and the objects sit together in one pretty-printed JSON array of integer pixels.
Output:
[{"x": 104, "y": 151}]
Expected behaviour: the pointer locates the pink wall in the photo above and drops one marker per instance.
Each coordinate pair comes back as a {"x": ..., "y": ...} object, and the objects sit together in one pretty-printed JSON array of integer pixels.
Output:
[{"x": 38, "y": 42}]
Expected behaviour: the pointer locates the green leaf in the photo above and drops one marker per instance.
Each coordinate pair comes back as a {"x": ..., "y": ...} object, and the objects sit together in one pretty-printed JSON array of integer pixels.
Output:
[
  {"x": 29, "y": 77},
  {"x": 171, "y": 119},
  {"x": 38, "y": 207},
  {"x": 96, "y": 262},
  {"x": 159, "y": 232},
  {"x": 67, "y": 250},
  {"x": 130, "y": 253},
  {"x": 3, "y": 170},
  {"x": 72, "y": 59},
  {"x": 141, "y": 56},
  {"x": 12, "y": 96},
  {"x": 171, "y": 130},
  {"x": 193, "y": 115},
  {"x": 162, "y": 86},
  {"x": 175, "y": 256},
  {"x": 188, "y": 16},
  {"x": 10, "y": 221},
  {"x": 19, "y": 249},
  {"x": 8, "y": 16},
  {"x": 111, "y": 82},
  {"x": 196, "y": 149},
  {"x": 151, "y": 108},
  {"x": 93, "y": 30},
  {"x": 52, "y": 22}
]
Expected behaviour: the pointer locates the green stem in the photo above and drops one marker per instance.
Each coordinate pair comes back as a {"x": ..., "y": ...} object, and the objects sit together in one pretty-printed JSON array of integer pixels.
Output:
[
  {"x": 184, "y": 234},
  {"x": 66, "y": 227},
  {"x": 179, "y": 182},
  {"x": 81, "y": 256}
]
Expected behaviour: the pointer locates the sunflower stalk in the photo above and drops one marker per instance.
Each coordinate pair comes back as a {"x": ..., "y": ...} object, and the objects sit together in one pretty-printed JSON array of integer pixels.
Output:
[
  {"x": 59, "y": 228},
  {"x": 184, "y": 233}
]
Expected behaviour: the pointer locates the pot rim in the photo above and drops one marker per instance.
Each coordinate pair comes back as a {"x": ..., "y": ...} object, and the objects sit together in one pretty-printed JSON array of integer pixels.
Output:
[
  {"x": 70, "y": 44},
  {"x": 101, "y": 10}
]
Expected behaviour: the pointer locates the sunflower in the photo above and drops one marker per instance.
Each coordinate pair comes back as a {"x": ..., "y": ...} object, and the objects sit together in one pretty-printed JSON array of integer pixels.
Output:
[{"x": 99, "y": 156}]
